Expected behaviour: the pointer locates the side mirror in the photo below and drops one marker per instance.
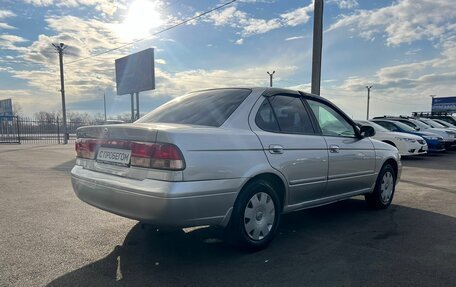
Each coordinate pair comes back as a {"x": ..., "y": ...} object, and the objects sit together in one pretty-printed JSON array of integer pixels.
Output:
[{"x": 367, "y": 131}]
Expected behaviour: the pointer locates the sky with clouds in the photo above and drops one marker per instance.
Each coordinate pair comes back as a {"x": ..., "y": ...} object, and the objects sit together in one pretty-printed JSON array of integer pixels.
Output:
[{"x": 406, "y": 49}]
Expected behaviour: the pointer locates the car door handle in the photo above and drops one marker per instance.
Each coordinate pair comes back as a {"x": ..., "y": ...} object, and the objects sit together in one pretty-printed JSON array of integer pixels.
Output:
[
  {"x": 334, "y": 148},
  {"x": 275, "y": 148}
]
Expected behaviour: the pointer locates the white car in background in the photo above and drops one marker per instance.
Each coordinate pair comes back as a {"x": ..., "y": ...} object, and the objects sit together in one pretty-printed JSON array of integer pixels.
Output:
[
  {"x": 407, "y": 144},
  {"x": 434, "y": 124},
  {"x": 444, "y": 123}
]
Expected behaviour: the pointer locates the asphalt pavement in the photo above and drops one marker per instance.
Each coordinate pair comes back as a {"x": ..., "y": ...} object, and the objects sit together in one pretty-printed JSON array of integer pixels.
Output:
[{"x": 50, "y": 238}]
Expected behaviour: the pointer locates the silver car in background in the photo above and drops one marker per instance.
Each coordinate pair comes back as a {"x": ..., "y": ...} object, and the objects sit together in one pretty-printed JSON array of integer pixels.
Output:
[{"x": 236, "y": 158}]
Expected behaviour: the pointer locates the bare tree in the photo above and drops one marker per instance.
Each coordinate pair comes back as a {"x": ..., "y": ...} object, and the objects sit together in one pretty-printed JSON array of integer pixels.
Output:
[
  {"x": 48, "y": 117},
  {"x": 79, "y": 117},
  {"x": 17, "y": 110}
]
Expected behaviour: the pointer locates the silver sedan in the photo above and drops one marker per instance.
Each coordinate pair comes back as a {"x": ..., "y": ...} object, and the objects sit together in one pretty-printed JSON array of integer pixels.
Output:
[{"x": 237, "y": 158}]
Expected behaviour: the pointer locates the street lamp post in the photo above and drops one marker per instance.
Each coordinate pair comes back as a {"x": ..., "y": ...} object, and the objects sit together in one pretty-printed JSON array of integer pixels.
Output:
[
  {"x": 270, "y": 77},
  {"x": 368, "y": 100}
]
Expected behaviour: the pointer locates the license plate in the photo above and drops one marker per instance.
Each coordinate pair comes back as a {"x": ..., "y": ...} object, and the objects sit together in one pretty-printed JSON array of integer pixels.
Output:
[{"x": 114, "y": 156}]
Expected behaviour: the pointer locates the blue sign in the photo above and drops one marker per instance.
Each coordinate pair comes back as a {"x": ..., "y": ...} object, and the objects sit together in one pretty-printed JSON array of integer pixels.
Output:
[
  {"x": 6, "y": 108},
  {"x": 446, "y": 104}
]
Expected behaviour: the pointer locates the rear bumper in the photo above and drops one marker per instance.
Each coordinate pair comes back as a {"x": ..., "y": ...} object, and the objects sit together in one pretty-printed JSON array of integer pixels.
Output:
[{"x": 158, "y": 202}]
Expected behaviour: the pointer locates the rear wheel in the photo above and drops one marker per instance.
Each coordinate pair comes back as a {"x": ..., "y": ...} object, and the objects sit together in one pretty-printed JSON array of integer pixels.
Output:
[
  {"x": 255, "y": 216},
  {"x": 384, "y": 189}
]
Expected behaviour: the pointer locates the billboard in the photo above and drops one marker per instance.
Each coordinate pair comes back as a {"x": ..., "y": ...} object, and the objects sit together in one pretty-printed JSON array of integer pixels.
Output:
[
  {"x": 6, "y": 108},
  {"x": 445, "y": 104},
  {"x": 135, "y": 73}
]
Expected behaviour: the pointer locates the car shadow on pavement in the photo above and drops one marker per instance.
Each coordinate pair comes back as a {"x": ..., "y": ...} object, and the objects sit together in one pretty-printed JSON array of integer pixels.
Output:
[
  {"x": 343, "y": 244},
  {"x": 66, "y": 166}
]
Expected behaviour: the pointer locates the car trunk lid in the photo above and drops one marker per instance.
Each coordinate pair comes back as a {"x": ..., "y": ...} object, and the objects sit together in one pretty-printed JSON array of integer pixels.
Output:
[{"x": 129, "y": 150}]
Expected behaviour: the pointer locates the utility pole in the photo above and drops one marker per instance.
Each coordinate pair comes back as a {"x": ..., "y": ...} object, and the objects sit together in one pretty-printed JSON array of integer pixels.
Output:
[
  {"x": 104, "y": 100},
  {"x": 270, "y": 77},
  {"x": 317, "y": 46},
  {"x": 368, "y": 100},
  {"x": 60, "y": 47},
  {"x": 137, "y": 105},
  {"x": 132, "y": 107}
]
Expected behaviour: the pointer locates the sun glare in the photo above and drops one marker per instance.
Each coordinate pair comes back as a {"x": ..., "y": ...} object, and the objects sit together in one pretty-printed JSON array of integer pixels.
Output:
[{"x": 142, "y": 16}]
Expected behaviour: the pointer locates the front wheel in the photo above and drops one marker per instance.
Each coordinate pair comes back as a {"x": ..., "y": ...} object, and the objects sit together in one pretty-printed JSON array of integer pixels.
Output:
[
  {"x": 255, "y": 217},
  {"x": 384, "y": 189}
]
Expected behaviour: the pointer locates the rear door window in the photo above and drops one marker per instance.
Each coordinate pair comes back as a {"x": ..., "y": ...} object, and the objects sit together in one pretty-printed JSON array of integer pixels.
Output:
[
  {"x": 387, "y": 125},
  {"x": 285, "y": 114},
  {"x": 205, "y": 108}
]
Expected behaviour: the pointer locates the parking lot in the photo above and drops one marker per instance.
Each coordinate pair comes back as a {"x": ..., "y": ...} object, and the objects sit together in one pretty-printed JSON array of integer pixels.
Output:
[{"x": 49, "y": 237}]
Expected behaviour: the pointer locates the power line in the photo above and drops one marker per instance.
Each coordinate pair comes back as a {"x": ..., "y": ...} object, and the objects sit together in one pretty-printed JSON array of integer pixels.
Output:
[{"x": 156, "y": 33}]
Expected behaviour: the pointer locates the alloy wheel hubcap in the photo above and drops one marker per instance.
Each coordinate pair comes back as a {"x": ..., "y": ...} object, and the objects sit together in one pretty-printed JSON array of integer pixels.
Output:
[
  {"x": 387, "y": 187},
  {"x": 259, "y": 216}
]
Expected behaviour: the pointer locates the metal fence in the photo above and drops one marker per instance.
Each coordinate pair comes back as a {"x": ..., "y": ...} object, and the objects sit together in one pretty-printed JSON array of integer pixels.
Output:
[{"x": 25, "y": 130}]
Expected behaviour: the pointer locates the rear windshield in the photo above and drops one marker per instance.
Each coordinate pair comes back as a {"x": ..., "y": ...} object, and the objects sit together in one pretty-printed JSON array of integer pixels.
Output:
[{"x": 205, "y": 108}]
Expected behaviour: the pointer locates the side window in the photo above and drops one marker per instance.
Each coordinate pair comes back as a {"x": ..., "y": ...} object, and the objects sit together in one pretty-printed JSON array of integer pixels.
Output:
[
  {"x": 393, "y": 127},
  {"x": 265, "y": 118},
  {"x": 284, "y": 114},
  {"x": 410, "y": 124},
  {"x": 388, "y": 126},
  {"x": 330, "y": 121}
]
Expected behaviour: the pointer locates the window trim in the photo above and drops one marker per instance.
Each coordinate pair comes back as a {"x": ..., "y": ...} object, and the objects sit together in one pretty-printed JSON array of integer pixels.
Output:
[{"x": 281, "y": 93}]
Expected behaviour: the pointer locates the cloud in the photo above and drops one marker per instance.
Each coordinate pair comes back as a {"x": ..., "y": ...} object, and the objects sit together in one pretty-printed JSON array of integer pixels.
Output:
[
  {"x": 8, "y": 42},
  {"x": 13, "y": 38},
  {"x": 249, "y": 25},
  {"x": 160, "y": 61},
  {"x": 399, "y": 89},
  {"x": 6, "y": 14},
  {"x": 404, "y": 21},
  {"x": 106, "y": 6},
  {"x": 239, "y": 41},
  {"x": 85, "y": 80},
  {"x": 297, "y": 16},
  {"x": 6, "y": 26},
  {"x": 345, "y": 4},
  {"x": 294, "y": 38}
]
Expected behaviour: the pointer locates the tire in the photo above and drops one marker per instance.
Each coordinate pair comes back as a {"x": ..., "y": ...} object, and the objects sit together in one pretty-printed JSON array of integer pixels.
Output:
[
  {"x": 385, "y": 187},
  {"x": 255, "y": 217}
]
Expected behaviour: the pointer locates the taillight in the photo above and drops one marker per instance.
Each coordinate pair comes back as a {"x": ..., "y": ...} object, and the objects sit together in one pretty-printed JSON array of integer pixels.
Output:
[
  {"x": 86, "y": 148},
  {"x": 149, "y": 155},
  {"x": 155, "y": 155}
]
